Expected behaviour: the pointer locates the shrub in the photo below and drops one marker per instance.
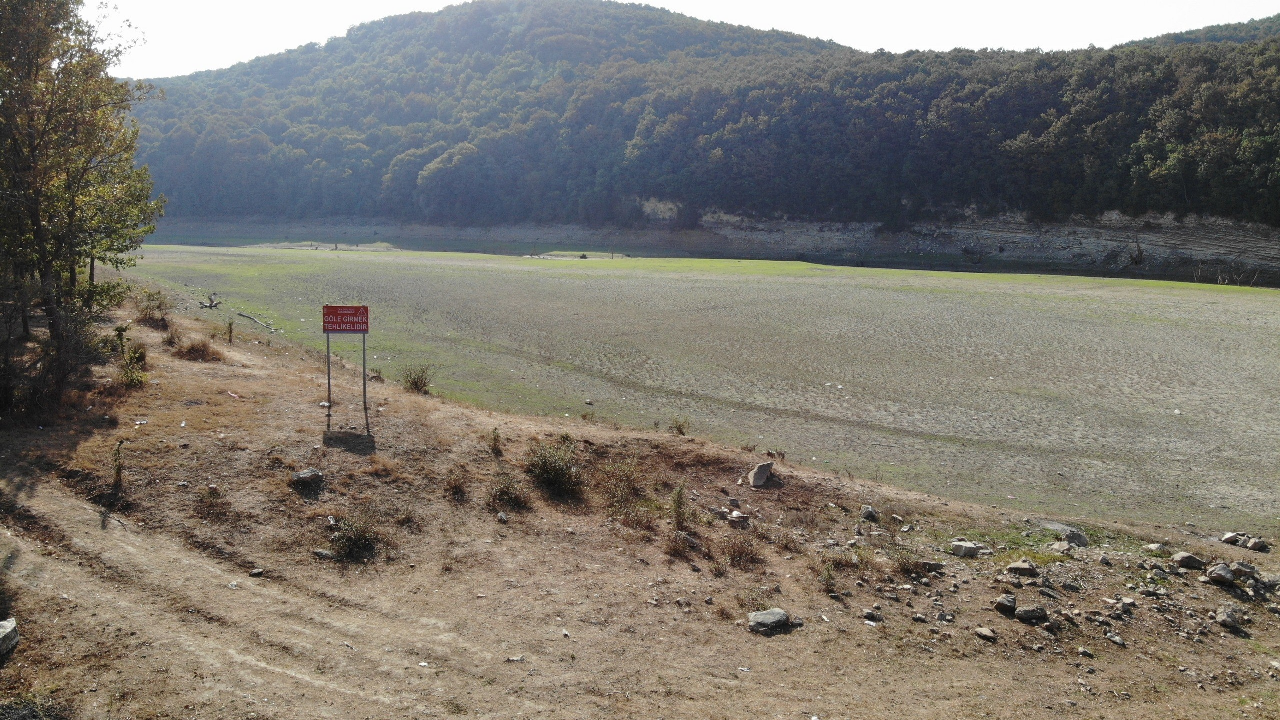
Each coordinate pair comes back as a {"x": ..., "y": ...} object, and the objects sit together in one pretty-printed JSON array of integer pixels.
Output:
[
  {"x": 133, "y": 363},
  {"x": 679, "y": 508},
  {"x": 740, "y": 551},
  {"x": 355, "y": 540},
  {"x": 495, "y": 443},
  {"x": 173, "y": 338},
  {"x": 153, "y": 307},
  {"x": 199, "y": 351},
  {"x": 618, "y": 482},
  {"x": 679, "y": 426},
  {"x": 455, "y": 488},
  {"x": 507, "y": 494},
  {"x": 553, "y": 465},
  {"x": 419, "y": 378}
]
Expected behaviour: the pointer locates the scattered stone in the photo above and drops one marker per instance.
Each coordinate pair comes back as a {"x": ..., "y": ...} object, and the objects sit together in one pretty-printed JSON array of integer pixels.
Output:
[
  {"x": 1232, "y": 538},
  {"x": 945, "y": 617},
  {"x": 1220, "y": 574},
  {"x": 8, "y": 636},
  {"x": 1023, "y": 568},
  {"x": 1031, "y": 615},
  {"x": 768, "y": 621},
  {"x": 869, "y": 514},
  {"x": 502, "y": 518},
  {"x": 985, "y": 634},
  {"x": 1256, "y": 545},
  {"x": 1228, "y": 616},
  {"x": 256, "y": 572},
  {"x": 689, "y": 542},
  {"x": 309, "y": 481},
  {"x": 933, "y": 567},
  {"x": 1116, "y": 639},
  {"x": 872, "y": 615},
  {"x": 919, "y": 618},
  {"x": 310, "y": 475},
  {"x": 1070, "y": 587},
  {"x": 964, "y": 548},
  {"x": 1104, "y": 560},
  {"x": 897, "y": 518},
  {"x": 1050, "y": 594},
  {"x": 1006, "y": 604},
  {"x": 1243, "y": 569},
  {"x": 1187, "y": 560},
  {"x": 759, "y": 475},
  {"x": 1084, "y": 652},
  {"x": 1156, "y": 549},
  {"x": 1077, "y": 538},
  {"x": 1061, "y": 546},
  {"x": 322, "y": 554},
  {"x": 518, "y": 658}
]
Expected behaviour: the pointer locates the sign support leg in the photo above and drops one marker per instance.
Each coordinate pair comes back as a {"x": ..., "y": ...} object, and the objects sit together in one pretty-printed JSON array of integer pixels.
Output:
[
  {"x": 328, "y": 372},
  {"x": 364, "y": 381}
]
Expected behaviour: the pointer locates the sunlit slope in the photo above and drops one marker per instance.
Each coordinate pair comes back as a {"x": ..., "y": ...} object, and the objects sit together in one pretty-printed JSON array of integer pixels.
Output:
[{"x": 1103, "y": 397}]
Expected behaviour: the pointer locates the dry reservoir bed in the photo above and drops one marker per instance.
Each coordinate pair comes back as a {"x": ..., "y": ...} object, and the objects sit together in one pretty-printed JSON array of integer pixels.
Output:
[{"x": 1091, "y": 397}]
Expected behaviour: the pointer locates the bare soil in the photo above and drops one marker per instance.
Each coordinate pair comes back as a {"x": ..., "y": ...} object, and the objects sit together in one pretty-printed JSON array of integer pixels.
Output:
[{"x": 138, "y": 601}]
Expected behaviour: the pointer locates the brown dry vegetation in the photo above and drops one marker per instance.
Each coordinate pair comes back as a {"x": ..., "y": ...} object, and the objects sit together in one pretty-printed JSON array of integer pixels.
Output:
[{"x": 136, "y": 601}]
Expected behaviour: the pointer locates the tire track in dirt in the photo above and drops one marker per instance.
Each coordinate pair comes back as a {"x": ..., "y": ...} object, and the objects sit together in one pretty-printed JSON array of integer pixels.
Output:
[{"x": 274, "y": 634}]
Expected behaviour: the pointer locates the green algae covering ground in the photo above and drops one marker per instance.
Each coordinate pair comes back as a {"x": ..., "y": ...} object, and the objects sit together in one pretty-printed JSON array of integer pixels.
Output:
[{"x": 1093, "y": 397}]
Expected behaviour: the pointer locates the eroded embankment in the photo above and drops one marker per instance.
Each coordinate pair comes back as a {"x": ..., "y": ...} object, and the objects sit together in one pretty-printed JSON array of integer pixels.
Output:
[{"x": 1199, "y": 250}]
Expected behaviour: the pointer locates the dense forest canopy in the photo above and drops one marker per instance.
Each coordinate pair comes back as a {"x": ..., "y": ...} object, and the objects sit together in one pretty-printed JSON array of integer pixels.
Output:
[
  {"x": 1252, "y": 31},
  {"x": 573, "y": 110}
]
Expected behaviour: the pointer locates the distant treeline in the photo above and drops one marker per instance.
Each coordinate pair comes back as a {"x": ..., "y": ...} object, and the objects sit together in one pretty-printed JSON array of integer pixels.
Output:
[{"x": 504, "y": 111}]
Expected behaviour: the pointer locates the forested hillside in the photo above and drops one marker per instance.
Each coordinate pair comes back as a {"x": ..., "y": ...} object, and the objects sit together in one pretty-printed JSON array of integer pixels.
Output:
[
  {"x": 575, "y": 110},
  {"x": 1252, "y": 31}
]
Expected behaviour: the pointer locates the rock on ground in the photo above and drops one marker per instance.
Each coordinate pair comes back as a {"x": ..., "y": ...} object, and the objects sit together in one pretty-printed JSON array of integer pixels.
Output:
[
  {"x": 964, "y": 548},
  {"x": 759, "y": 474},
  {"x": 1220, "y": 574},
  {"x": 8, "y": 636},
  {"x": 1187, "y": 560},
  {"x": 985, "y": 634},
  {"x": 767, "y": 621},
  {"x": 1006, "y": 604},
  {"x": 870, "y": 514},
  {"x": 1023, "y": 567}
]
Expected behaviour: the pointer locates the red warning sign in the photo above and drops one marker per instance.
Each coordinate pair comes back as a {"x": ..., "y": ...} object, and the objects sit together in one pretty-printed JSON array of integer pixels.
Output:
[{"x": 346, "y": 319}]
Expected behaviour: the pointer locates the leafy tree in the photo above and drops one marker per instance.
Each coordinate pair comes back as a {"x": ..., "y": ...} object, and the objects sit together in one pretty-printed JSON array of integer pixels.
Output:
[{"x": 71, "y": 196}]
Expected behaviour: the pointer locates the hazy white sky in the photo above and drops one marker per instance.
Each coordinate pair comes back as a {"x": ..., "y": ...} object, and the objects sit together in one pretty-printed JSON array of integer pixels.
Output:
[{"x": 182, "y": 36}]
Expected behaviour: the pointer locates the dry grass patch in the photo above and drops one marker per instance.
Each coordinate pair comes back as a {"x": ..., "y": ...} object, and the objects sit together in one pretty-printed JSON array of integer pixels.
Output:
[{"x": 199, "y": 351}]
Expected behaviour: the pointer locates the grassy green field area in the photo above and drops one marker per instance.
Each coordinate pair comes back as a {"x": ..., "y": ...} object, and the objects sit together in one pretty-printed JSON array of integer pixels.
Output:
[{"x": 1085, "y": 396}]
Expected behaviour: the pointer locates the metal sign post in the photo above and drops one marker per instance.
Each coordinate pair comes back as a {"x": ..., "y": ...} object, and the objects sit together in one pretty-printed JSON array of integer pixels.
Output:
[{"x": 348, "y": 320}]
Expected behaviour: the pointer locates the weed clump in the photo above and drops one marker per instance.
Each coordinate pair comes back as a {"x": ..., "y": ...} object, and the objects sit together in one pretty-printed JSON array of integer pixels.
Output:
[
  {"x": 553, "y": 465},
  {"x": 455, "y": 488},
  {"x": 507, "y": 494},
  {"x": 153, "y": 308},
  {"x": 495, "y": 443},
  {"x": 419, "y": 378},
  {"x": 740, "y": 551},
  {"x": 618, "y": 482},
  {"x": 679, "y": 509},
  {"x": 212, "y": 504},
  {"x": 355, "y": 540},
  {"x": 199, "y": 351}
]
